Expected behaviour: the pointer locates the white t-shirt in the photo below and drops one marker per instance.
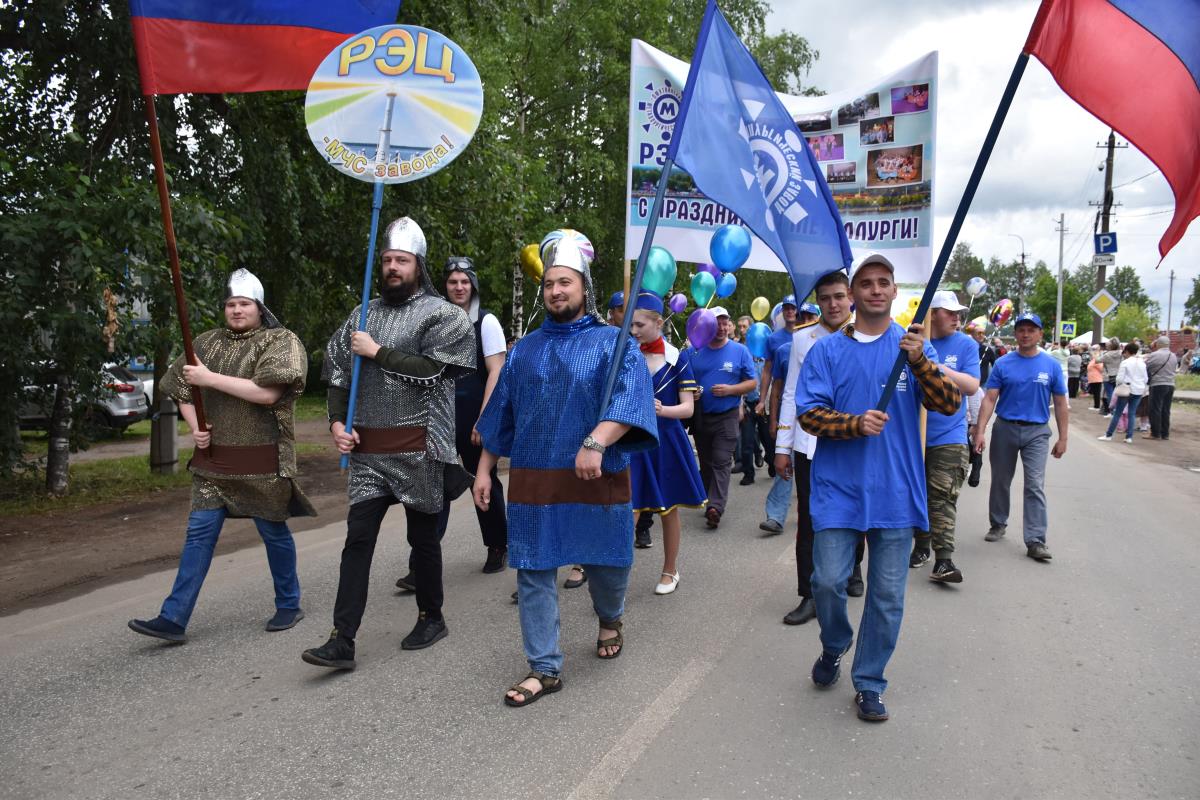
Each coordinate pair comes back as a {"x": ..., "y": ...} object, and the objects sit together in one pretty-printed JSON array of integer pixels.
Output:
[
  {"x": 791, "y": 437},
  {"x": 493, "y": 336}
]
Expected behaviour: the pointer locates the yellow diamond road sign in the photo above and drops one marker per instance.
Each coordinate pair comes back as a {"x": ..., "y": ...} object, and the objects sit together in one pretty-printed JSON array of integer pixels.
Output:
[{"x": 1103, "y": 303}]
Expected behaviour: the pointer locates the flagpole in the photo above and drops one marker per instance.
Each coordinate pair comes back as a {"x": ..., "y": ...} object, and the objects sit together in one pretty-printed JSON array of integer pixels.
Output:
[
  {"x": 960, "y": 215},
  {"x": 164, "y": 202},
  {"x": 381, "y": 154}
]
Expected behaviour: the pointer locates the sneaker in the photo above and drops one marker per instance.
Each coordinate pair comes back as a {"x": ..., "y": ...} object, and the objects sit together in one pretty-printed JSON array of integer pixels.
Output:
[
  {"x": 1104, "y": 437},
  {"x": 160, "y": 628},
  {"x": 855, "y": 586},
  {"x": 1038, "y": 551},
  {"x": 285, "y": 618},
  {"x": 871, "y": 707},
  {"x": 641, "y": 539},
  {"x": 1128, "y": 440},
  {"x": 770, "y": 526},
  {"x": 746, "y": 480},
  {"x": 337, "y": 653},
  {"x": 408, "y": 583},
  {"x": 995, "y": 533},
  {"x": 1108, "y": 416},
  {"x": 919, "y": 557},
  {"x": 827, "y": 669},
  {"x": 495, "y": 560},
  {"x": 712, "y": 517},
  {"x": 427, "y": 631},
  {"x": 805, "y": 612},
  {"x": 944, "y": 571}
]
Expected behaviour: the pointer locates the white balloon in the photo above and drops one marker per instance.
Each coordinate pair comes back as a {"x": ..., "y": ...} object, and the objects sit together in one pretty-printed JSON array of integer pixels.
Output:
[{"x": 976, "y": 286}]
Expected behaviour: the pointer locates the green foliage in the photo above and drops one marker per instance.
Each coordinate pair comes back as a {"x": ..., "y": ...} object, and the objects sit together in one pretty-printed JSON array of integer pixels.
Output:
[
  {"x": 1126, "y": 286},
  {"x": 1191, "y": 306},
  {"x": 1131, "y": 321},
  {"x": 1043, "y": 301}
]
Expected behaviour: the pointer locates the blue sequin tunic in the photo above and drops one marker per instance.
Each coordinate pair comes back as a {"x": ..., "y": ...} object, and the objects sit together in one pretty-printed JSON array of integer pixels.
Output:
[{"x": 546, "y": 401}]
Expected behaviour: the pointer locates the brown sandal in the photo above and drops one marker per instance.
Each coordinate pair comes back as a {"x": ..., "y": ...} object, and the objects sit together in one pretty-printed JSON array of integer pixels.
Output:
[
  {"x": 616, "y": 641},
  {"x": 550, "y": 685}
]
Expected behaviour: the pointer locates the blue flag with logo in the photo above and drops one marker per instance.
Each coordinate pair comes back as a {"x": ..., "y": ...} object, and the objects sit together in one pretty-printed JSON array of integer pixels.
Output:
[{"x": 743, "y": 150}]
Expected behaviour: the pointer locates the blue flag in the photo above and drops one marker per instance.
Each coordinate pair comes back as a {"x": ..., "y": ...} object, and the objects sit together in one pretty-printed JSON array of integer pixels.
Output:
[{"x": 743, "y": 150}]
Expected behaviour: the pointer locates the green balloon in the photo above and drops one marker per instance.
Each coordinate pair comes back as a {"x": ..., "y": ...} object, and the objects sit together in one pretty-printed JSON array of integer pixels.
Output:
[
  {"x": 704, "y": 286},
  {"x": 659, "y": 275}
]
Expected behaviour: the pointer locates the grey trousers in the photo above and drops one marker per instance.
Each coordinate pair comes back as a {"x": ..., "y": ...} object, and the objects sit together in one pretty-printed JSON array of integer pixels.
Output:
[
  {"x": 1032, "y": 443},
  {"x": 716, "y": 437}
]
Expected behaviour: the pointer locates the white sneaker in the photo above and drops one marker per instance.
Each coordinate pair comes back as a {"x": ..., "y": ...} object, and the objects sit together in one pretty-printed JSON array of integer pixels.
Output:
[
  {"x": 1105, "y": 438},
  {"x": 667, "y": 588},
  {"x": 1129, "y": 441}
]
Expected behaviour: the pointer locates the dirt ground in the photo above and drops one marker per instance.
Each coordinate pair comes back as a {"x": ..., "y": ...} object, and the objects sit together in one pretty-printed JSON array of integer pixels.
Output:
[{"x": 47, "y": 558}]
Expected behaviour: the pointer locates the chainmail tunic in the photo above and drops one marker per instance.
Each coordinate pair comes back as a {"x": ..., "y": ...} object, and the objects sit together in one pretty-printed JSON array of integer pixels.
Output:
[
  {"x": 546, "y": 401},
  {"x": 269, "y": 357},
  {"x": 424, "y": 325}
]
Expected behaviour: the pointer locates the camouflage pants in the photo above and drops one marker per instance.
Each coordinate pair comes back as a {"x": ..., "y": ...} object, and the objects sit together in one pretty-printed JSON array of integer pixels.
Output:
[{"x": 945, "y": 470}]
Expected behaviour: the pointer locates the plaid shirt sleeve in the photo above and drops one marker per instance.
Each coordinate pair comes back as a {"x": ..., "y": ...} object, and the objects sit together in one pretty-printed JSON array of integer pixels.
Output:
[
  {"x": 939, "y": 394},
  {"x": 829, "y": 424}
]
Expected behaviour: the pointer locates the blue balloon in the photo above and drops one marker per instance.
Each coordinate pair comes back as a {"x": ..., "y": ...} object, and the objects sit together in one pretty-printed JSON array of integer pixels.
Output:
[
  {"x": 726, "y": 285},
  {"x": 756, "y": 339},
  {"x": 730, "y": 247}
]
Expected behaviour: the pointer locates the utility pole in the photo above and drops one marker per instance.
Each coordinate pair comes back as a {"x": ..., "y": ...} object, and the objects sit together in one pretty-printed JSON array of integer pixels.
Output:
[
  {"x": 1170, "y": 301},
  {"x": 1062, "y": 231},
  {"x": 1106, "y": 207}
]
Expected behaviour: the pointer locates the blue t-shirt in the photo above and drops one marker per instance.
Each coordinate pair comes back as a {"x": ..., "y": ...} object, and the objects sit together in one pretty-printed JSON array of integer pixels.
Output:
[
  {"x": 775, "y": 341},
  {"x": 1025, "y": 385},
  {"x": 728, "y": 364},
  {"x": 870, "y": 481},
  {"x": 752, "y": 398},
  {"x": 960, "y": 353},
  {"x": 779, "y": 367}
]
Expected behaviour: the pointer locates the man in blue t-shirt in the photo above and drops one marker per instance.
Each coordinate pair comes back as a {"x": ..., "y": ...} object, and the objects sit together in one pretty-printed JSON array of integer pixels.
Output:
[
  {"x": 725, "y": 371},
  {"x": 946, "y": 451},
  {"x": 1020, "y": 388},
  {"x": 866, "y": 475},
  {"x": 780, "y": 496}
]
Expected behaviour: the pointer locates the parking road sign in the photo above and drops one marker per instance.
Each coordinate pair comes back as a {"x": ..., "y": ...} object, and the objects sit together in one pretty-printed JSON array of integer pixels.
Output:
[{"x": 1106, "y": 242}]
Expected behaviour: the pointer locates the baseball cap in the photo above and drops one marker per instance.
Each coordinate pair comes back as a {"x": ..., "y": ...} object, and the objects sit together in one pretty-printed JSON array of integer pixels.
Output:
[
  {"x": 949, "y": 301},
  {"x": 719, "y": 311},
  {"x": 788, "y": 300},
  {"x": 871, "y": 259},
  {"x": 1030, "y": 317},
  {"x": 617, "y": 300},
  {"x": 809, "y": 308}
]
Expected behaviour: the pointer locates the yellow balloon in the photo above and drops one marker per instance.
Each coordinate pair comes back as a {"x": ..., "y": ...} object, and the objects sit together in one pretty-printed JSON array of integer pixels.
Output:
[
  {"x": 759, "y": 308},
  {"x": 913, "y": 302},
  {"x": 531, "y": 262},
  {"x": 905, "y": 318}
]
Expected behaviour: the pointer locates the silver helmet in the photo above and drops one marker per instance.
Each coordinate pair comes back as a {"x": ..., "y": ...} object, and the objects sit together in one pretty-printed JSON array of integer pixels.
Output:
[{"x": 244, "y": 283}]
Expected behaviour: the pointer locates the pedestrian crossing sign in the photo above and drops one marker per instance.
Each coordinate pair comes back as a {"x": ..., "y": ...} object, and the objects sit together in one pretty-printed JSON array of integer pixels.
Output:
[
  {"x": 1066, "y": 329},
  {"x": 1103, "y": 303}
]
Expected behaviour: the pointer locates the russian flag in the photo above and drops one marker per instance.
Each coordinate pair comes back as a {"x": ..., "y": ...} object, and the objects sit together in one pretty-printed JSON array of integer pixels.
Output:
[
  {"x": 1135, "y": 64},
  {"x": 218, "y": 46}
]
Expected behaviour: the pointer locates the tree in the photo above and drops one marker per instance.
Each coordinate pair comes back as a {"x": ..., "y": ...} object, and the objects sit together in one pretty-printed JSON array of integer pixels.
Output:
[
  {"x": 1125, "y": 285},
  {"x": 1131, "y": 322},
  {"x": 1191, "y": 306},
  {"x": 1043, "y": 301},
  {"x": 963, "y": 265}
]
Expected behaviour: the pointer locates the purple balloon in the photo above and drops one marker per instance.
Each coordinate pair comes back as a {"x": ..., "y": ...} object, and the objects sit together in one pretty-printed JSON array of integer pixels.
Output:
[
  {"x": 711, "y": 269},
  {"x": 678, "y": 302},
  {"x": 701, "y": 327}
]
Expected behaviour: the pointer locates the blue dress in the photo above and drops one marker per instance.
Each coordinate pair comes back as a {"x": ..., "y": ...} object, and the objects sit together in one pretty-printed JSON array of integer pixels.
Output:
[{"x": 667, "y": 477}]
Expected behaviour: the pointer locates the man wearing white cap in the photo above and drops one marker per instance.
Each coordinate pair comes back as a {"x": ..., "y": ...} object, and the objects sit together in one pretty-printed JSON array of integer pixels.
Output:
[
  {"x": 244, "y": 463},
  {"x": 725, "y": 371},
  {"x": 401, "y": 446},
  {"x": 946, "y": 451}
]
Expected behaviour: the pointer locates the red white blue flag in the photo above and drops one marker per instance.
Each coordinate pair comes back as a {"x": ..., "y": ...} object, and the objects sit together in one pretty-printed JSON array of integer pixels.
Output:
[
  {"x": 218, "y": 46},
  {"x": 1135, "y": 64}
]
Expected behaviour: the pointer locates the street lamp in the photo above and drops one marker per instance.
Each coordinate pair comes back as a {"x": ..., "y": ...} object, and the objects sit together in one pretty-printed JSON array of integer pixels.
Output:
[{"x": 1020, "y": 276}]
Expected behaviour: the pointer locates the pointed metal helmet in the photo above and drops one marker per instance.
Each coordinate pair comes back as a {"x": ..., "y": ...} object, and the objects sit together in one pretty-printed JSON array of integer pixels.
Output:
[
  {"x": 406, "y": 235},
  {"x": 573, "y": 251},
  {"x": 244, "y": 283}
]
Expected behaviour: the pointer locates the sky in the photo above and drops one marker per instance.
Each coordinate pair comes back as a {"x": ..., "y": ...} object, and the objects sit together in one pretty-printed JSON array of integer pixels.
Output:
[{"x": 1046, "y": 160}]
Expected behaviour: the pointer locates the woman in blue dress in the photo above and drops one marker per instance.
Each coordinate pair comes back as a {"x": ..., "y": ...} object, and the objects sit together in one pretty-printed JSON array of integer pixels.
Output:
[{"x": 667, "y": 477}]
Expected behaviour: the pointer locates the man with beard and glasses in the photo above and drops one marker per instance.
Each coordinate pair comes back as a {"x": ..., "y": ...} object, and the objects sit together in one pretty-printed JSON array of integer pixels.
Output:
[
  {"x": 569, "y": 491},
  {"x": 402, "y": 445}
]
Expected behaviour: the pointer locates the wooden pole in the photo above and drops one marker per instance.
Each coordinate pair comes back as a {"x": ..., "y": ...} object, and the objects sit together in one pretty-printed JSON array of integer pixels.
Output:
[{"x": 164, "y": 202}]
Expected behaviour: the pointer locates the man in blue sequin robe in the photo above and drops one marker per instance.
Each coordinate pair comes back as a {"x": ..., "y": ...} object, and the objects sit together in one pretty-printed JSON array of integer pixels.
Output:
[{"x": 569, "y": 486}]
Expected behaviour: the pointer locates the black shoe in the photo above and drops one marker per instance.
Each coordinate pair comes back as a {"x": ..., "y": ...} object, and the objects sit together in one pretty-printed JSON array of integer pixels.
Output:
[
  {"x": 919, "y": 557},
  {"x": 424, "y": 633},
  {"x": 771, "y": 470},
  {"x": 712, "y": 517},
  {"x": 641, "y": 539},
  {"x": 337, "y": 653},
  {"x": 736, "y": 469},
  {"x": 160, "y": 628},
  {"x": 285, "y": 618},
  {"x": 973, "y": 478},
  {"x": 855, "y": 586},
  {"x": 871, "y": 707},
  {"x": 759, "y": 461},
  {"x": 575, "y": 583},
  {"x": 770, "y": 526},
  {"x": 827, "y": 669},
  {"x": 495, "y": 561},
  {"x": 944, "y": 571},
  {"x": 746, "y": 480},
  {"x": 807, "y": 610},
  {"x": 1038, "y": 551},
  {"x": 995, "y": 533},
  {"x": 514, "y": 598},
  {"x": 408, "y": 583}
]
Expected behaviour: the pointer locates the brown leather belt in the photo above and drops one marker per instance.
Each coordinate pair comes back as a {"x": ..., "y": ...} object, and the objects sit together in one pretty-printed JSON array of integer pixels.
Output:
[
  {"x": 545, "y": 487},
  {"x": 384, "y": 441},
  {"x": 226, "y": 459}
]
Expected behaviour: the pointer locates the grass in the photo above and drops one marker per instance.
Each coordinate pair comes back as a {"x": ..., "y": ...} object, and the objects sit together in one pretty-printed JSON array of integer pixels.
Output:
[
  {"x": 93, "y": 482},
  {"x": 1188, "y": 382}
]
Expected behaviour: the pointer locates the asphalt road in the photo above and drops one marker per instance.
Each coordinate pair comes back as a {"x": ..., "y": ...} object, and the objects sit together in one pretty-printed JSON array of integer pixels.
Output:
[{"x": 1073, "y": 679}]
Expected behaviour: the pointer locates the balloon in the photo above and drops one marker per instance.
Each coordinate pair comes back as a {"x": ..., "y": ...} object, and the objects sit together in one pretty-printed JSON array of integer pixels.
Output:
[
  {"x": 678, "y": 302},
  {"x": 730, "y": 247},
  {"x": 659, "y": 275},
  {"x": 904, "y": 318},
  {"x": 1001, "y": 312},
  {"x": 979, "y": 323},
  {"x": 777, "y": 316},
  {"x": 710, "y": 269},
  {"x": 976, "y": 286},
  {"x": 756, "y": 339},
  {"x": 701, "y": 326},
  {"x": 703, "y": 288},
  {"x": 531, "y": 262},
  {"x": 727, "y": 285},
  {"x": 759, "y": 308}
]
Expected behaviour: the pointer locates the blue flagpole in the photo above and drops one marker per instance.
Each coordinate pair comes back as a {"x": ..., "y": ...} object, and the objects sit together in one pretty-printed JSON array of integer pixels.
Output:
[
  {"x": 376, "y": 206},
  {"x": 964, "y": 205}
]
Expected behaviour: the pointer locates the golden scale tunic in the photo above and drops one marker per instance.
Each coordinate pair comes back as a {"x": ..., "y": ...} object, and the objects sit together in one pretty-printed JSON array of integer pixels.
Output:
[{"x": 269, "y": 357}]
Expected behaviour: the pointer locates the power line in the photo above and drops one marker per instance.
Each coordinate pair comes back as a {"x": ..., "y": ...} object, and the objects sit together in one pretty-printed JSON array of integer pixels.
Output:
[{"x": 1135, "y": 180}]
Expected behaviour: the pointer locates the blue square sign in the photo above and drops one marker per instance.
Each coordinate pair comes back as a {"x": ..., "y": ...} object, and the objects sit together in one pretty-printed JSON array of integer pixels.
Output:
[{"x": 1106, "y": 243}]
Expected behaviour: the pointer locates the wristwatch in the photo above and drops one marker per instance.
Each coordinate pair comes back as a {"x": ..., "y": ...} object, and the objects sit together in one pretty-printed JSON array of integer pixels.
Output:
[{"x": 592, "y": 444}]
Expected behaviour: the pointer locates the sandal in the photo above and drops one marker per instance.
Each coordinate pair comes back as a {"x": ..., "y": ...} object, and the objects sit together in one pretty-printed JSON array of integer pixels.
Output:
[
  {"x": 572, "y": 583},
  {"x": 550, "y": 685},
  {"x": 615, "y": 641}
]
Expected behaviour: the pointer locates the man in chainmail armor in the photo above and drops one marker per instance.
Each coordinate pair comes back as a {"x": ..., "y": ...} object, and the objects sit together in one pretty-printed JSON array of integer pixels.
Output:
[{"x": 401, "y": 446}]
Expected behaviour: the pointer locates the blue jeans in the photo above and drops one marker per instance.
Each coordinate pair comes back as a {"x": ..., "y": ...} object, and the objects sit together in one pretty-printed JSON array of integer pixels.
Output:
[
  {"x": 779, "y": 498},
  {"x": 1130, "y": 423},
  {"x": 203, "y": 529},
  {"x": 537, "y": 604},
  {"x": 887, "y": 577}
]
